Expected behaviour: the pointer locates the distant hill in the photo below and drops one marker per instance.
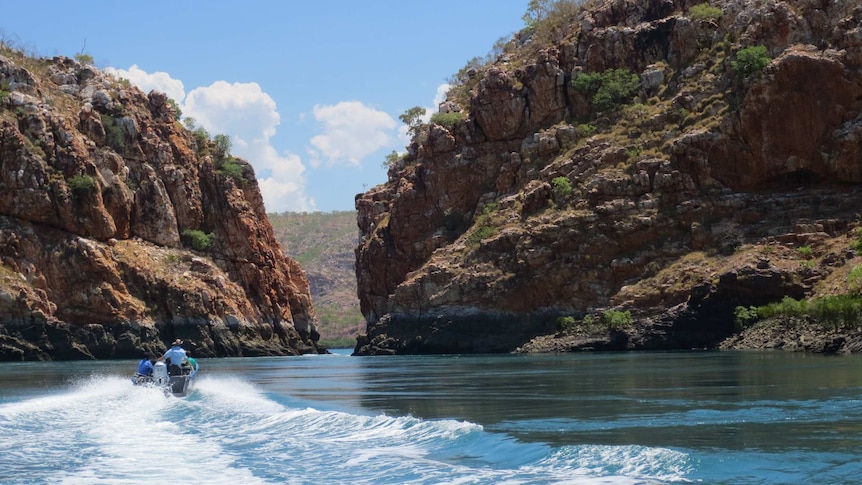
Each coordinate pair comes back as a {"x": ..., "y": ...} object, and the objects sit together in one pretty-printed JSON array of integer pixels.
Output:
[{"x": 323, "y": 243}]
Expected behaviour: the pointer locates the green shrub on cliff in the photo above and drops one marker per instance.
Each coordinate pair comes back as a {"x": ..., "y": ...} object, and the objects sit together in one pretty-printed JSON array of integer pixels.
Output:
[
  {"x": 608, "y": 90},
  {"x": 744, "y": 317},
  {"x": 838, "y": 311},
  {"x": 222, "y": 146},
  {"x": 565, "y": 324},
  {"x": 178, "y": 113},
  {"x": 705, "y": 11},
  {"x": 751, "y": 61},
  {"x": 391, "y": 159},
  {"x": 854, "y": 280},
  {"x": 84, "y": 58},
  {"x": 199, "y": 134},
  {"x": 586, "y": 130},
  {"x": 232, "y": 169},
  {"x": 481, "y": 232},
  {"x": 447, "y": 120},
  {"x": 617, "y": 319},
  {"x": 856, "y": 244},
  {"x": 81, "y": 186},
  {"x": 483, "y": 228},
  {"x": 114, "y": 136},
  {"x": 197, "y": 240},
  {"x": 562, "y": 187},
  {"x": 412, "y": 118},
  {"x": 835, "y": 311},
  {"x": 547, "y": 20}
]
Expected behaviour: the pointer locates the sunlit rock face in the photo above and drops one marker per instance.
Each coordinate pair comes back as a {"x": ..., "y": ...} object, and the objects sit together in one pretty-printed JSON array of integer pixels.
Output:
[
  {"x": 677, "y": 206},
  {"x": 99, "y": 188}
]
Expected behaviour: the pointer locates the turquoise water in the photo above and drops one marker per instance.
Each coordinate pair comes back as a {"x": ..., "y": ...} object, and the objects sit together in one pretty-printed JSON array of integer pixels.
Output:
[{"x": 627, "y": 418}]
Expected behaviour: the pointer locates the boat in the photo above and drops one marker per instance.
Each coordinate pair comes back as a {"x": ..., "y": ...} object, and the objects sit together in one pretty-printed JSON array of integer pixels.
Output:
[{"x": 172, "y": 385}]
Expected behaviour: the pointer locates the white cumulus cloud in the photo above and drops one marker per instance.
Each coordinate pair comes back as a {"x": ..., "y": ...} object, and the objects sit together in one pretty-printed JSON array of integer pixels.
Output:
[
  {"x": 351, "y": 132},
  {"x": 248, "y": 115},
  {"x": 242, "y": 110},
  {"x": 159, "y": 81}
]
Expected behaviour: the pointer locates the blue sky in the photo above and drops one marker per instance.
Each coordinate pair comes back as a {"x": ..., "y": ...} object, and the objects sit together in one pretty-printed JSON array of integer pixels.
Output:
[{"x": 309, "y": 92}]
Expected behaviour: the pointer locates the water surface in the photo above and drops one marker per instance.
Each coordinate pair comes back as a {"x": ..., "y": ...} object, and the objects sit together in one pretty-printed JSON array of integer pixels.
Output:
[{"x": 688, "y": 417}]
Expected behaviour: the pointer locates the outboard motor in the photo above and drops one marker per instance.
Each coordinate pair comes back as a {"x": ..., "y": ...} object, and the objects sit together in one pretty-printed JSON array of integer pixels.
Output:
[{"x": 160, "y": 374}]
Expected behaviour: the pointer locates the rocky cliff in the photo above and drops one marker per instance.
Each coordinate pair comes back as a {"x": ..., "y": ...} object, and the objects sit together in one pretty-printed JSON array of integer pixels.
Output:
[
  {"x": 120, "y": 230},
  {"x": 721, "y": 182}
]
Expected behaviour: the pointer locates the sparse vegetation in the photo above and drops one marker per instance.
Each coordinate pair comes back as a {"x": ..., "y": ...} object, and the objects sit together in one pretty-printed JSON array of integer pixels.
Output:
[
  {"x": 230, "y": 167},
  {"x": 565, "y": 324},
  {"x": 82, "y": 186},
  {"x": 856, "y": 244},
  {"x": 84, "y": 58},
  {"x": 562, "y": 187},
  {"x": 197, "y": 239},
  {"x": 483, "y": 228},
  {"x": 608, "y": 90},
  {"x": 832, "y": 311},
  {"x": 114, "y": 136},
  {"x": 751, "y": 61},
  {"x": 854, "y": 280},
  {"x": 200, "y": 134},
  {"x": 546, "y": 20},
  {"x": 412, "y": 118},
  {"x": 448, "y": 120},
  {"x": 705, "y": 11},
  {"x": 482, "y": 232},
  {"x": 586, "y": 130},
  {"x": 222, "y": 146},
  {"x": 178, "y": 113},
  {"x": 744, "y": 317},
  {"x": 614, "y": 319},
  {"x": 391, "y": 159}
]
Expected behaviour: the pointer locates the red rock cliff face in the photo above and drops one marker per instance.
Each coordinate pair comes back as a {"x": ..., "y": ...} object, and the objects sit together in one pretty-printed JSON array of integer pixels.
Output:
[
  {"x": 471, "y": 246},
  {"x": 98, "y": 183}
]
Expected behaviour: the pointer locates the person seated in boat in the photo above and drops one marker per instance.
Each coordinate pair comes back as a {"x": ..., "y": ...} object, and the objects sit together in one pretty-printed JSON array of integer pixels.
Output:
[
  {"x": 145, "y": 367},
  {"x": 190, "y": 364},
  {"x": 174, "y": 358}
]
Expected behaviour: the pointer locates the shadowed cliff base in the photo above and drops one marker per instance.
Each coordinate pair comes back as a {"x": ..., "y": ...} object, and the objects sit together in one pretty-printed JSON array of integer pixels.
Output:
[{"x": 479, "y": 334}]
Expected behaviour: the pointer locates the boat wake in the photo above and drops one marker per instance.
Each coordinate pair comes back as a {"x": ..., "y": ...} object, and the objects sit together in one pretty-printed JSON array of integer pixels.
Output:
[{"x": 104, "y": 430}]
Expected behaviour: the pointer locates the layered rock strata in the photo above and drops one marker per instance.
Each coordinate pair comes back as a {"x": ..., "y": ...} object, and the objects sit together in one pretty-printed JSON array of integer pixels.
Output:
[
  {"x": 102, "y": 192},
  {"x": 473, "y": 245}
]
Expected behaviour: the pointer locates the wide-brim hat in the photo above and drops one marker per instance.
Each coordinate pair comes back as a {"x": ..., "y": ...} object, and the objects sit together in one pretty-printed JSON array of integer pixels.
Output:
[{"x": 177, "y": 342}]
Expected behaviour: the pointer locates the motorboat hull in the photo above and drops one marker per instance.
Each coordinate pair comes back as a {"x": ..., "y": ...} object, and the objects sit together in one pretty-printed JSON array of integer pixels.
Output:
[{"x": 172, "y": 385}]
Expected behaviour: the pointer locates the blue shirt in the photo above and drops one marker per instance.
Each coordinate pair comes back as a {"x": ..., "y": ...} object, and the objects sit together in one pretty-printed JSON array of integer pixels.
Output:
[
  {"x": 176, "y": 354},
  {"x": 145, "y": 367}
]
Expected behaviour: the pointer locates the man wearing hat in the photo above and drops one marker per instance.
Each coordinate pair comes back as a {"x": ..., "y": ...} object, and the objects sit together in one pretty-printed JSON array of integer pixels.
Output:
[{"x": 174, "y": 357}]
